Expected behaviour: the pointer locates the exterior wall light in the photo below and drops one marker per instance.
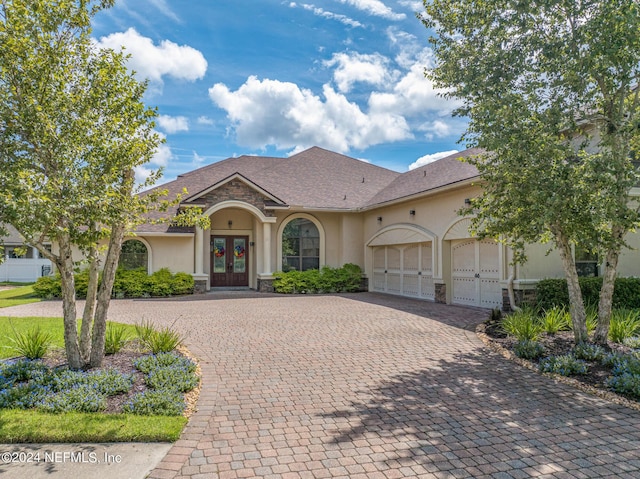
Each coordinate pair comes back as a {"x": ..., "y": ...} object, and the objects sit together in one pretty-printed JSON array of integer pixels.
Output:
[
  {"x": 412, "y": 212},
  {"x": 230, "y": 223},
  {"x": 379, "y": 219}
]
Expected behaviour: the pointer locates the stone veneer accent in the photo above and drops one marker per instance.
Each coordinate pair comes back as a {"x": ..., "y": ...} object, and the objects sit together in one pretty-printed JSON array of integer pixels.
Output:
[
  {"x": 239, "y": 191},
  {"x": 200, "y": 286},
  {"x": 441, "y": 293},
  {"x": 521, "y": 297},
  {"x": 265, "y": 285}
]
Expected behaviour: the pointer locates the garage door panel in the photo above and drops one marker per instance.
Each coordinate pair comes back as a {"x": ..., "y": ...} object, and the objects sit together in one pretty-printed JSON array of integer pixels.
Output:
[
  {"x": 476, "y": 273},
  {"x": 405, "y": 271}
]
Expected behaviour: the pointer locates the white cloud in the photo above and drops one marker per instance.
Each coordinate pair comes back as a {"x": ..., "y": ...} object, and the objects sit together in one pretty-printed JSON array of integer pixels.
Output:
[
  {"x": 205, "y": 120},
  {"x": 271, "y": 112},
  {"x": 197, "y": 159},
  {"x": 426, "y": 159},
  {"x": 414, "y": 6},
  {"x": 142, "y": 173},
  {"x": 376, "y": 8},
  {"x": 437, "y": 128},
  {"x": 321, "y": 12},
  {"x": 162, "y": 6},
  {"x": 173, "y": 124},
  {"x": 152, "y": 62},
  {"x": 355, "y": 67},
  {"x": 413, "y": 94}
]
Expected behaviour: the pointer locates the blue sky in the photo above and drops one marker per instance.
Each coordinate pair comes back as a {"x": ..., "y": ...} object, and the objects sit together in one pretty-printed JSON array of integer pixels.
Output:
[{"x": 271, "y": 77}]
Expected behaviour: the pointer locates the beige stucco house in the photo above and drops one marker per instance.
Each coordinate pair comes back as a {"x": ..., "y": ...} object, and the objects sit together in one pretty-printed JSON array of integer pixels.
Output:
[{"x": 320, "y": 208}]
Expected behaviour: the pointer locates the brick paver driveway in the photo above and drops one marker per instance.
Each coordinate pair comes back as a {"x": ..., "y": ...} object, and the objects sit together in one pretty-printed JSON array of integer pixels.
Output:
[{"x": 369, "y": 386}]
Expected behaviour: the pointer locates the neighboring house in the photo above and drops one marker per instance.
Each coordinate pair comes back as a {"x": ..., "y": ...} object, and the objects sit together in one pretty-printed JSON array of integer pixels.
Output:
[
  {"x": 320, "y": 208},
  {"x": 21, "y": 263}
]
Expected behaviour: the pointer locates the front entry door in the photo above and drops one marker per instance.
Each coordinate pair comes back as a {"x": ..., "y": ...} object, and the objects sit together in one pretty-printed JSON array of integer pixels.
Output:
[{"x": 229, "y": 261}]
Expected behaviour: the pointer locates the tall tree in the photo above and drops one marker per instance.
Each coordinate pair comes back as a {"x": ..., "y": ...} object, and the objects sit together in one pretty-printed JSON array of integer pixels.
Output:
[
  {"x": 73, "y": 127},
  {"x": 550, "y": 88}
]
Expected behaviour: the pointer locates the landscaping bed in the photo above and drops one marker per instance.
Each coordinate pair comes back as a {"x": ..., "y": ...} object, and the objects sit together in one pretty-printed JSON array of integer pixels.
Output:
[{"x": 611, "y": 372}]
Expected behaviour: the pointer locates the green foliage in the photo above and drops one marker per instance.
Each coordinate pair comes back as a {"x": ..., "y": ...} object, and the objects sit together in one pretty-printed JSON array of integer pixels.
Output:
[
  {"x": 32, "y": 344},
  {"x": 626, "y": 383},
  {"x": 623, "y": 324},
  {"x": 632, "y": 342},
  {"x": 163, "y": 340},
  {"x": 326, "y": 280},
  {"x": 161, "y": 403},
  {"x": 528, "y": 349},
  {"x": 108, "y": 382},
  {"x": 553, "y": 292},
  {"x": 556, "y": 319},
  {"x": 116, "y": 337},
  {"x": 565, "y": 365},
  {"x": 589, "y": 352},
  {"x": 523, "y": 325},
  {"x": 134, "y": 283},
  {"x": 172, "y": 378},
  {"x": 48, "y": 287},
  {"x": 146, "y": 364},
  {"x": 80, "y": 398}
]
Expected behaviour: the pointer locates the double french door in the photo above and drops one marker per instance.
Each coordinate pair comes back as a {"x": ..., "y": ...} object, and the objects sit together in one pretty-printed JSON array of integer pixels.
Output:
[{"x": 229, "y": 261}]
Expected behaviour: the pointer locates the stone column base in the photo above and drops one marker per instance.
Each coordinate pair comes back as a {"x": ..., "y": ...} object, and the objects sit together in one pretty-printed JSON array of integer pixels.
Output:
[
  {"x": 200, "y": 281},
  {"x": 441, "y": 293},
  {"x": 265, "y": 285}
]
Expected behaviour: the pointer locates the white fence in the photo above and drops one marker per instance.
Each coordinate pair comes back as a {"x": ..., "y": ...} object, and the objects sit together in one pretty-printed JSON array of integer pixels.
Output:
[{"x": 24, "y": 270}]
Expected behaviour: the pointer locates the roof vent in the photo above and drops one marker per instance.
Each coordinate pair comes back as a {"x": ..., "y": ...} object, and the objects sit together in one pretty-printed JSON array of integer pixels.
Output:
[
  {"x": 363, "y": 179},
  {"x": 345, "y": 197},
  {"x": 424, "y": 172}
]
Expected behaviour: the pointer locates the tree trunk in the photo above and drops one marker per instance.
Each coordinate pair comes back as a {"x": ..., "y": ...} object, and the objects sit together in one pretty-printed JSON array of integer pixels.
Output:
[
  {"x": 65, "y": 266},
  {"x": 576, "y": 304},
  {"x": 90, "y": 306},
  {"x": 104, "y": 295},
  {"x": 606, "y": 292}
]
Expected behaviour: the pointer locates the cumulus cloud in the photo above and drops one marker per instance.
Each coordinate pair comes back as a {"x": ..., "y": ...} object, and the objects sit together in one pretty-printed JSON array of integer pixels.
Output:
[
  {"x": 437, "y": 129},
  {"x": 271, "y": 112},
  {"x": 160, "y": 159},
  {"x": 376, "y": 8},
  {"x": 321, "y": 12},
  {"x": 152, "y": 62},
  {"x": 426, "y": 159},
  {"x": 173, "y": 124},
  {"x": 205, "y": 120},
  {"x": 355, "y": 67}
]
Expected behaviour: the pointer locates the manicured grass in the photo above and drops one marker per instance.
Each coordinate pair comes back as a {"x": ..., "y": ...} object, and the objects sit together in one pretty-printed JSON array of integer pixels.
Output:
[
  {"x": 53, "y": 326},
  {"x": 17, "y": 296},
  {"x": 20, "y": 426}
]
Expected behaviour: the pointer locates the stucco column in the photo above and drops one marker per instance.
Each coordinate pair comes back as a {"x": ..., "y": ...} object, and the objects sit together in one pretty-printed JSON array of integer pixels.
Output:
[
  {"x": 266, "y": 248},
  {"x": 199, "y": 256}
]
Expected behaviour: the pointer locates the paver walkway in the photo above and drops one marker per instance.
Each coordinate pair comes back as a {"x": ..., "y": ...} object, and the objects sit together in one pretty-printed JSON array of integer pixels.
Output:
[{"x": 368, "y": 386}]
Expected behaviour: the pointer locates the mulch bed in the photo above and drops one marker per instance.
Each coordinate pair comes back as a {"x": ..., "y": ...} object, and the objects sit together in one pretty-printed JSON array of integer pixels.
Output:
[
  {"x": 558, "y": 344},
  {"x": 123, "y": 363}
]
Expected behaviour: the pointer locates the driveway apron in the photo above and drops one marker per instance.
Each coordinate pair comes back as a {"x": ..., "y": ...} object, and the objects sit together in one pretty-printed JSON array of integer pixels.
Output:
[{"x": 369, "y": 386}]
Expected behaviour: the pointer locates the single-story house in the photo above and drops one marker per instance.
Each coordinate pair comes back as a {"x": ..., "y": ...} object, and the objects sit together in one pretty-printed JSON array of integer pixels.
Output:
[
  {"x": 21, "y": 262},
  {"x": 319, "y": 208}
]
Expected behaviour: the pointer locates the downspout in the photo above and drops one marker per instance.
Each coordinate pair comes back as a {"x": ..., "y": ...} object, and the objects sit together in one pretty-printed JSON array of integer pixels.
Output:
[{"x": 512, "y": 296}]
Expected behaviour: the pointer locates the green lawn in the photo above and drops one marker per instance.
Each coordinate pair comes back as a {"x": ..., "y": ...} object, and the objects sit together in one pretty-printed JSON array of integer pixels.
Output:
[
  {"x": 27, "y": 426},
  {"x": 17, "y": 296}
]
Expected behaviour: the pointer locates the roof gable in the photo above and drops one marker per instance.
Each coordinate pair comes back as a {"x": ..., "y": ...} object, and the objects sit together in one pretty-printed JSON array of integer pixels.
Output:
[{"x": 235, "y": 176}]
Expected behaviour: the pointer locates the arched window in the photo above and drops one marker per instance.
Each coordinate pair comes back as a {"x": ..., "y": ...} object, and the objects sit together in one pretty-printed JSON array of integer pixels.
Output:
[
  {"x": 300, "y": 245},
  {"x": 134, "y": 255}
]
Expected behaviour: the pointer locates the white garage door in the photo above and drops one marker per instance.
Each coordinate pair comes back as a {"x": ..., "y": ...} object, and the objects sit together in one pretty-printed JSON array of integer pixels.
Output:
[
  {"x": 476, "y": 273},
  {"x": 404, "y": 269}
]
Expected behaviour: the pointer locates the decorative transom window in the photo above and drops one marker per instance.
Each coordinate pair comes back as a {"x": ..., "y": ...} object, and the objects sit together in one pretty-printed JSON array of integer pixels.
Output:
[
  {"x": 134, "y": 255},
  {"x": 300, "y": 245}
]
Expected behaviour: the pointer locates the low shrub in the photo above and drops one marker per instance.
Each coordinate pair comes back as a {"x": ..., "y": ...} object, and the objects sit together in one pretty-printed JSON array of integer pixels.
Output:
[
  {"x": 116, "y": 337},
  {"x": 159, "y": 403},
  {"x": 23, "y": 395},
  {"x": 162, "y": 340},
  {"x": 624, "y": 324},
  {"x": 146, "y": 364},
  {"x": 626, "y": 383},
  {"x": 326, "y": 280},
  {"x": 80, "y": 398},
  {"x": 589, "y": 352},
  {"x": 134, "y": 283},
  {"x": 554, "y": 292},
  {"x": 523, "y": 325},
  {"x": 32, "y": 344},
  {"x": 528, "y": 349},
  {"x": 565, "y": 365},
  {"x": 556, "y": 319},
  {"x": 23, "y": 370},
  {"x": 107, "y": 382},
  {"x": 632, "y": 342},
  {"x": 172, "y": 377}
]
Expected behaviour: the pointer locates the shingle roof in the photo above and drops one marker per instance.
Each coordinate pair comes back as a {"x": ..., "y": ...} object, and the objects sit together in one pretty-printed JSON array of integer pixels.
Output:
[
  {"x": 319, "y": 179},
  {"x": 443, "y": 172},
  {"x": 13, "y": 236}
]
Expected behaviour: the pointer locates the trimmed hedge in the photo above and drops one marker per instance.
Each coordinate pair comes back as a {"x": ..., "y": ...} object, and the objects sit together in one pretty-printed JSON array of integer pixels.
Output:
[
  {"x": 325, "y": 280},
  {"x": 134, "y": 283},
  {"x": 554, "y": 292}
]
